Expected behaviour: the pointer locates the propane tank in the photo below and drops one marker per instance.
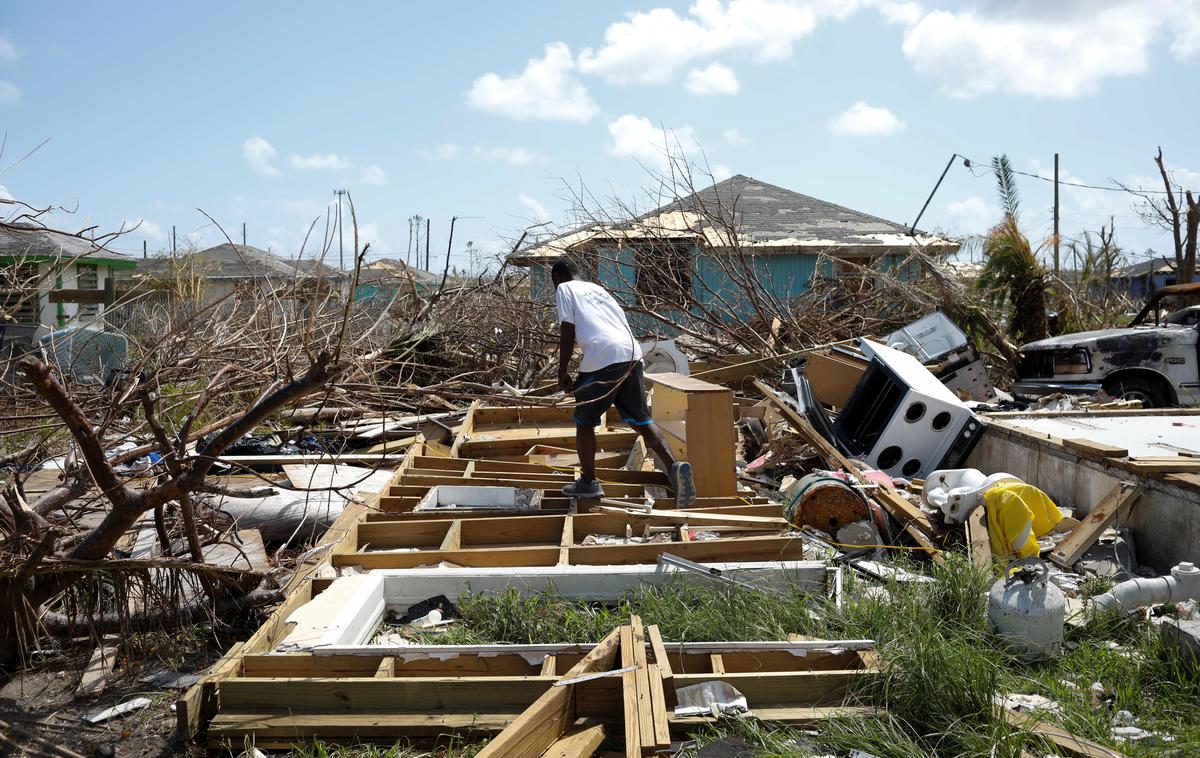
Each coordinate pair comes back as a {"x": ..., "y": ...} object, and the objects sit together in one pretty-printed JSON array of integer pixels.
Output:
[{"x": 1027, "y": 611}]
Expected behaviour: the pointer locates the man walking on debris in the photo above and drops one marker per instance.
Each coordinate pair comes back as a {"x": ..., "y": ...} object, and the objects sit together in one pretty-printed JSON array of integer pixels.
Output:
[{"x": 610, "y": 372}]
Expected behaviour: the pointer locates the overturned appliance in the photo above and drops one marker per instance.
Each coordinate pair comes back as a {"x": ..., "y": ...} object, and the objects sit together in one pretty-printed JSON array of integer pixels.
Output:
[
  {"x": 939, "y": 344},
  {"x": 899, "y": 417}
]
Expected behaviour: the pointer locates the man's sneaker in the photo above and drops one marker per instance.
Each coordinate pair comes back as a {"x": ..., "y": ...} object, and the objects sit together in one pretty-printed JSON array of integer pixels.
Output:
[
  {"x": 584, "y": 488},
  {"x": 681, "y": 482}
]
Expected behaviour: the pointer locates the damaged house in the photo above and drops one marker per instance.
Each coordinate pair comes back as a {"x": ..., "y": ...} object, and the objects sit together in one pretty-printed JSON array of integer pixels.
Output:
[
  {"x": 701, "y": 248},
  {"x": 220, "y": 269}
]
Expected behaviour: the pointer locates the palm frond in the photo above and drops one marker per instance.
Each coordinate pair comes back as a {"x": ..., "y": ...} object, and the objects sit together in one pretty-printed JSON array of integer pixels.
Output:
[{"x": 1006, "y": 186}]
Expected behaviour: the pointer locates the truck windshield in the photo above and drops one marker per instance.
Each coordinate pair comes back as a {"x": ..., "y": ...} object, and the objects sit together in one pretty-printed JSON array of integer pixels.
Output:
[{"x": 1185, "y": 317}]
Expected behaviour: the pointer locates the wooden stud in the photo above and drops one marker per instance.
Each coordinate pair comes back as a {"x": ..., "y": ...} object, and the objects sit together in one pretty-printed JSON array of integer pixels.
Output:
[
  {"x": 548, "y": 664},
  {"x": 541, "y": 724},
  {"x": 1095, "y": 450},
  {"x": 1114, "y": 505},
  {"x": 642, "y": 681},
  {"x": 658, "y": 703},
  {"x": 387, "y": 668},
  {"x": 978, "y": 543},
  {"x": 1065, "y": 740},
  {"x": 453, "y": 538},
  {"x": 718, "y": 663},
  {"x": 660, "y": 651},
  {"x": 581, "y": 741}
]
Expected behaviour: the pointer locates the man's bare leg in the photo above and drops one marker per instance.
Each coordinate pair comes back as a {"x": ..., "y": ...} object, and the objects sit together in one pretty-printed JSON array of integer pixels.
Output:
[
  {"x": 654, "y": 440},
  {"x": 585, "y": 446}
]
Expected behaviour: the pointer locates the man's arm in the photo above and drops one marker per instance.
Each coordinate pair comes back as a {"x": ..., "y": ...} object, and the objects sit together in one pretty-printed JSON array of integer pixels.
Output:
[{"x": 566, "y": 347}]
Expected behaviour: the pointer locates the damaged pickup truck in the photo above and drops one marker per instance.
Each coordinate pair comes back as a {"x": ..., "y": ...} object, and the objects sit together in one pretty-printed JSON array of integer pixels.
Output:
[{"x": 1157, "y": 363}]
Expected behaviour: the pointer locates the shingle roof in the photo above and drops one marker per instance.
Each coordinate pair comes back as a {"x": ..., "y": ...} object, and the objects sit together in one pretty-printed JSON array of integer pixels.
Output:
[
  {"x": 26, "y": 240},
  {"x": 766, "y": 216},
  {"x": 1146, "y": 268},
  {"x": 390, "y": 270},
  {"x": 229, "y": 261}
]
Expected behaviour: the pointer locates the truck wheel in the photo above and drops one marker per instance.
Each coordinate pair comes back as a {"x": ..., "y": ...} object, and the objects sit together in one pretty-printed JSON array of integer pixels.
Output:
[{"x": 1150, "y": 392}]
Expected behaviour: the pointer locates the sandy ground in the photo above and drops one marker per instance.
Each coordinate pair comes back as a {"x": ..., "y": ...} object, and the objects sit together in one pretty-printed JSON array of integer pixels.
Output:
[{"x": 40, "y": 698}]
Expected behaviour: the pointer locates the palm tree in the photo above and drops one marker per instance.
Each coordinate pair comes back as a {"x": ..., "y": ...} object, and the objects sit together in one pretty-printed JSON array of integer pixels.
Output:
[{"x": 1012, "y": 275}]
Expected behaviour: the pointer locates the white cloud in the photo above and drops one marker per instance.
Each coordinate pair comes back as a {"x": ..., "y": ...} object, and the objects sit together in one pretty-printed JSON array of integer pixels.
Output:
[
  {"x": 319, "y": 162},
  {"x": 972, "y": 215},
  {"x": 545, "y": 89},
  {"x": 1062, "y": 49},
  {"x": 514, "y": 156},
  {"x": 261, "y": 155},
  {"x": 720, "y": 172},
  {"x": 650, "y": 47},
  {"x": 8, "y": 51},
  {"x": 715, "y": 79},
  {"x": 9, "y": 93},
  {"x": 862, "y": 120},
  {"x": 373, "y": 175},
  {"x": 145, "y": 228},
  {"x": 537, "y": 211},
  {"x": 5, "y": 194},
  {"x": 445, "y": 151},
  {"x": 735, "y": 137},
  {"x": 638, "y": 137},
  {"x": 899, "y": 12}
]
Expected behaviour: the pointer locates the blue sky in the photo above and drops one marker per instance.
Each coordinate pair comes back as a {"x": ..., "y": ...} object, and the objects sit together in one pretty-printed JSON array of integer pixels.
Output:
[{"x": 498, "y": 112}]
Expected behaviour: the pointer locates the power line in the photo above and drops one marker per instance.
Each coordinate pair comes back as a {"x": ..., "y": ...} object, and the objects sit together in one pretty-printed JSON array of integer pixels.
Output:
[{"x": 970, "y": 164}]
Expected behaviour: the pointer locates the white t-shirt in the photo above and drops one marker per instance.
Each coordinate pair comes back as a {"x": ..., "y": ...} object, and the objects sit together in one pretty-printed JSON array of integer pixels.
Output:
[{"x": 600, "y": 325}]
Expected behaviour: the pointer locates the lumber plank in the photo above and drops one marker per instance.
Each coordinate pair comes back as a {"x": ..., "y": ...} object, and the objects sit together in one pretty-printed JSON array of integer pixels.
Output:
[
  {"x": 1114, "y": 505},
  {"x": 660, "y": 651},
  {"x": 581, "y": 741},
  {"x": 642, "y": 680},
  {"x": 566, "y": 539},
  {"x": 702, "y": 519},
  {"x": 1093, "y": 449},
  {"x": 717, "y": 662},
  {"x": 543, "y": 722},
  {"x": 794, "y": 716},
  {"x": 978, "y": 543},
  {"x": 284, "y": 730},
  {"x": 369, "y": 694},
  {"x": 453, "y": 538},
  {"x": 629, "y": 696},
  {"x": 658, "y": 703},
  {"x": 99, "y": 668},
  {"x": 386, "y": 669},
  {"x": 1072, "y": 744},
  {"x": 548, "y": 665}
]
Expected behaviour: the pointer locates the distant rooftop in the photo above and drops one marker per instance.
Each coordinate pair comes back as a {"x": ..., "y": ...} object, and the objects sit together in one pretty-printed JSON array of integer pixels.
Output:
[
  {"x": 29, "y": 241},
  {"x": 229, "y": 261},
  {"x": 767, "y": 218}
]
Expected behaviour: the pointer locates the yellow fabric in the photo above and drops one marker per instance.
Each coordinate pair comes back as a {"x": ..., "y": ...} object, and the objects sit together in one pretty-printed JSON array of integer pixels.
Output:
[{"x": 1015, "y": 509}]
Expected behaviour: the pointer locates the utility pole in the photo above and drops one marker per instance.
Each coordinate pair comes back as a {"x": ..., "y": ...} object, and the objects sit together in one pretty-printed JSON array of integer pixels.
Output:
[
  {"x": 341, "y": 258},
  {"x": 408, "y": 252},
  {"x": 426, "y": 244},
  {"x": 1056, "y": 214},
  {"x": 143, "y": 249},
  {"x": 172, "y": 239},
  {"x": 243, "y": 234}
]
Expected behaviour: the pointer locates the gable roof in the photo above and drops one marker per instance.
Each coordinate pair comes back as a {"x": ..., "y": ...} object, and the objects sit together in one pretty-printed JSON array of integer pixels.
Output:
[
  {"x": 767, "y": 217},
  {"x": 1146, "y": 268},
  {"x": 230, "y": 261},
  {"x": 35, "y": 242},
  {"x": 385, "y": 270}
]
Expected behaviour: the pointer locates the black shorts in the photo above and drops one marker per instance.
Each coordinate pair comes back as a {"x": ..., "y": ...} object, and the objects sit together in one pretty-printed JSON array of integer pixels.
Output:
[{"x": 620, "y": 384}]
